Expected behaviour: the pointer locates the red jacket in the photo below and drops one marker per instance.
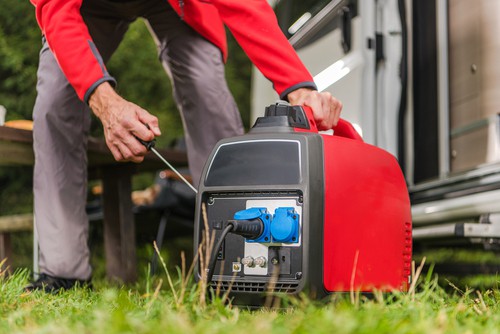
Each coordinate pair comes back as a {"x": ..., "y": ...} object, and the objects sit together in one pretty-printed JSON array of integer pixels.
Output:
[{"x": 252, "y": 22}]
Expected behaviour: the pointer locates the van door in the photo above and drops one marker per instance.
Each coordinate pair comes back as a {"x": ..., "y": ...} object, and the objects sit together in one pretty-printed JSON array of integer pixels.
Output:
[{"x": 349, "y": 48}]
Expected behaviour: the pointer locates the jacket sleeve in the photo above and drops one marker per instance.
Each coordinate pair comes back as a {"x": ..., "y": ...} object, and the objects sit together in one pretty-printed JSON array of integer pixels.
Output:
[
  {"x": 69, "y": 39},
  {"x": 255, "y": 27}
]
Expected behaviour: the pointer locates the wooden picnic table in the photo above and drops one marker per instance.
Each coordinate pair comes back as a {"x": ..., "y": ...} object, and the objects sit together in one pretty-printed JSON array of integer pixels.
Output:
[{"x": 16, "y": 148}]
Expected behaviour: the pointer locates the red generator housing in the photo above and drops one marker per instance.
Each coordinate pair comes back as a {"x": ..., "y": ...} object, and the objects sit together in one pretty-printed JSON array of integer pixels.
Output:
[{"x": 333, "y": 212}]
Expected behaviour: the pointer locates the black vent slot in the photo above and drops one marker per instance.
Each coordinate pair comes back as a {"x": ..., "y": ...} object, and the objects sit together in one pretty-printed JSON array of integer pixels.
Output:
[
  {"x": 256, "y": 287},
  {"x": 256, "y": 194}
]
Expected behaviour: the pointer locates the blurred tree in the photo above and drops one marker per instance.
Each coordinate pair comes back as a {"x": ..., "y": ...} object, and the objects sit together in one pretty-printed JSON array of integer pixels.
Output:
[
  {"x": 238, "y": 74},
  {"x": 20, "y": 42}
]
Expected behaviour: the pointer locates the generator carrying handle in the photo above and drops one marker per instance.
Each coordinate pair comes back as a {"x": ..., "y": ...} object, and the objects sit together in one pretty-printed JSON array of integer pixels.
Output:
[
  {"x": 346, "y": 129},
  {"x": 342, "y": 129}
]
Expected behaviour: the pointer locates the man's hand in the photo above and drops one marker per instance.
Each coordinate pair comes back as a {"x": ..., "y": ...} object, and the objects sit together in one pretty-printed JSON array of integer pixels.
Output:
[
  {"x": 326, "y": 109},
  {"x": 122, "y": 122}
]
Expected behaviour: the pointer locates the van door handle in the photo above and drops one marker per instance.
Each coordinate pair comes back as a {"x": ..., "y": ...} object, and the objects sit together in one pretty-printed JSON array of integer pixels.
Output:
[{"x": 346, "y": 29}]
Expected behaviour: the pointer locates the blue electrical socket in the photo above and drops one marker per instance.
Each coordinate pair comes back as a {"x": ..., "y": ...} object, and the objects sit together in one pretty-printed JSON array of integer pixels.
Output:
[{"x": 285, "y": 225}]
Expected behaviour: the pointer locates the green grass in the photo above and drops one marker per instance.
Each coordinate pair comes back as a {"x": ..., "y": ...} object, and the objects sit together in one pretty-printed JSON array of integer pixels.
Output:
[
  {"x": 153, "y": 306},
  {"x": 457, "y": 254},
  {"x": 438, "y": 304}
]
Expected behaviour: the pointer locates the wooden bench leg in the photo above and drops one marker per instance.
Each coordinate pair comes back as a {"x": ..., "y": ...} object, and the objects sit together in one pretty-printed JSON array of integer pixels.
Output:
[
  {"x": 119, "y": 229},
  {"x": 5, "y": 251}
]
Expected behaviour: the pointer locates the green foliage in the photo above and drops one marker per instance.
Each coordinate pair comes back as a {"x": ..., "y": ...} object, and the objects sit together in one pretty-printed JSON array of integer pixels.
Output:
[
  {"x": 466, "y": 267},
  {"x": 460, "y": 255},
  {"x": 20, "y": 42},
  {"x": 238, "y": 74},
  {"x": 15, "y": 190}
]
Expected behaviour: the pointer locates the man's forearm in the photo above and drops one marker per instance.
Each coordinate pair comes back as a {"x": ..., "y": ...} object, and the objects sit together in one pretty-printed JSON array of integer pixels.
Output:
[{"x": 103, "y": 96}]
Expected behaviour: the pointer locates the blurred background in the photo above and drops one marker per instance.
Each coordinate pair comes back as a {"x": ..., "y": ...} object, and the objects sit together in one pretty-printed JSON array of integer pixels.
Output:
[
  {"x": 140, "y": 77},
  {"x": 419, "y": 79}
]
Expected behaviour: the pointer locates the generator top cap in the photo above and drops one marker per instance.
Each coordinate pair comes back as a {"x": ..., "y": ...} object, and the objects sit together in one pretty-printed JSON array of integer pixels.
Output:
[{"x": 283, "y": 115}]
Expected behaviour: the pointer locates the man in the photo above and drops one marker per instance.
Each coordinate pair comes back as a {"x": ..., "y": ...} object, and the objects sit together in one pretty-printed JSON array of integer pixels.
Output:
[{"x": 79, "y": 37}]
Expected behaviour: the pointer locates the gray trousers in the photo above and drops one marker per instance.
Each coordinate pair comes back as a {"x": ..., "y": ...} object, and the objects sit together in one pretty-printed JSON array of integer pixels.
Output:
[{"x": 62, "y": 122}]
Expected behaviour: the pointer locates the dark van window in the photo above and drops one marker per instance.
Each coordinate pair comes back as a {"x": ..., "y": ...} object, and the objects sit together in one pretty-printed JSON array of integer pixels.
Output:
[{"x": 289, "y": 11}]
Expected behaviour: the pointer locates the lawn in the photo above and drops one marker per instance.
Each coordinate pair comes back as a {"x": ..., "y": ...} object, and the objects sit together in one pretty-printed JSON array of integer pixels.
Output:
[{"x": 161, "y": 305}]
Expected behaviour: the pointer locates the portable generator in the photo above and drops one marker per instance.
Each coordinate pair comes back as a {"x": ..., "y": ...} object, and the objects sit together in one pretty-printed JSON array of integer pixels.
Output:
[{"x": 294, "y": 210}]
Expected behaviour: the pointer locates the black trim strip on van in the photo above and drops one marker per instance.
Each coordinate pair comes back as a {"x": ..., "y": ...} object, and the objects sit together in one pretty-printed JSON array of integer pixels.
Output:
[{"x": 319, "y": 21}]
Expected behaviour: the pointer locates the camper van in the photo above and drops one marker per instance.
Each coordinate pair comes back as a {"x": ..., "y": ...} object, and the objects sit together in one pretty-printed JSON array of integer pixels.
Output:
[{"x": 420, "y": 79}]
